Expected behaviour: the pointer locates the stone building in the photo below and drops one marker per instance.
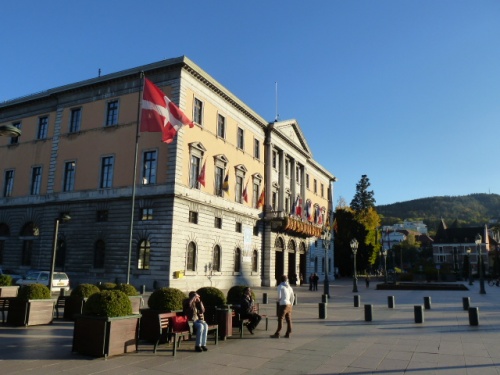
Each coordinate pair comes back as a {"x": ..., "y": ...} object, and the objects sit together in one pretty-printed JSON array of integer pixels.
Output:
[{"x": 76, "y": 156}]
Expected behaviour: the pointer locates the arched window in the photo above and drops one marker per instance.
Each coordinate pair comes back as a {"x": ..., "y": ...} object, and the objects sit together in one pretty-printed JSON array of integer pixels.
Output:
[
  {"x": 99, "y": 251},
  {"x": 255, "y": 261},
  {"x": 278, "y": 244},
  {"x": 30, "y": 231},
  {"x": 143, "y": 255},
  {"x": 191, "y": 257},
  {"x": 216, "y": 259},
  {"x": 237, "y": 260}
]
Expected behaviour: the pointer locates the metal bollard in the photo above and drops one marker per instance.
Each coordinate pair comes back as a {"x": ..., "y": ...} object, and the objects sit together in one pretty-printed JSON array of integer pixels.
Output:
[
  {"x": 62, "y": 292},
  {"x": 322, "y": 310},
  {"x": 427, "y": 303},
  {"x": 143, "y": 289},
  {"x": 357, "y": 301},
  {"x": 391, "y": 302},
  {"x": 368, "y": 313},
  {"x": 466, "y": 303},
  {"x": 419, "y": 313},
  {"x": 264, "y": 298},
  {"x": 296, "y": 300},
  {"x": 474, "y": 316},
  {"x": 324, "y": 298}
]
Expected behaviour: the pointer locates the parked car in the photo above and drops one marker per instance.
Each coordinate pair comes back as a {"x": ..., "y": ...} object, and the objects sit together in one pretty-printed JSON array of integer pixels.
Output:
[
  {"x": 59, "y": 280},
  {"x": 10, "y": 273}
]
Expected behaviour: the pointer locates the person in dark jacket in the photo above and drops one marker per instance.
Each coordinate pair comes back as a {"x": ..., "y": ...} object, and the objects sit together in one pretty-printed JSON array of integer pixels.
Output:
[{"x": 247, "y": 310}]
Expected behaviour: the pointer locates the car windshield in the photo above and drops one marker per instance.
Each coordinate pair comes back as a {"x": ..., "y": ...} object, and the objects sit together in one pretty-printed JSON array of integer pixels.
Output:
[
  {"x": 60, "y": 276},
  {"x": 32, "y": 276}
]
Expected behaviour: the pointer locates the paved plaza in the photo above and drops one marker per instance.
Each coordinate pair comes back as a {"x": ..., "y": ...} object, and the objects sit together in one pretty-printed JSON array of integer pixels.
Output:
[{"x": 343, "y": 343}]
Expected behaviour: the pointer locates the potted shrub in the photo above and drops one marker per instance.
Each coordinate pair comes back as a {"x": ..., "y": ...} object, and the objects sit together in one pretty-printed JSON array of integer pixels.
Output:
[
  {"x": 106, "y": 286},
  {"x": 107, "y": 326},
  {"x": 212, "y": 298},
  {"x": 32, "y": 306},
  {"x": 162, "y": 300},
  {"x": 6, "y": 286},
  {"x": 235, "y": 293},
  {"x": 76, "y": 300},
  {"x": 133, "y": 295}
]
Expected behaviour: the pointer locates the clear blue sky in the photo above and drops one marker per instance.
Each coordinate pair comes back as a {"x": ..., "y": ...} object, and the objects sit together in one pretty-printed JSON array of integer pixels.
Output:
[{"x": 407, "y": 92}]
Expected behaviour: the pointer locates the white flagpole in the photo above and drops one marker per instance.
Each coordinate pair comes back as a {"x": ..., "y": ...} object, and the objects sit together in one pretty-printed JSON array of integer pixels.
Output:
[{"x": 137, "y": 135}]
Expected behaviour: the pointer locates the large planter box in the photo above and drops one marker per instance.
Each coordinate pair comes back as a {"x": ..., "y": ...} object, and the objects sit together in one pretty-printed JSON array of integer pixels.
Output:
[
  {"x": 9, "y": 291},
  {"x": 73, "y": 306},
  {"x": 33, "y": 312},
  {"x": 150, "y": 325},
  {"x": 137, "y": 303},
  {"x": 103, "y": 337}
]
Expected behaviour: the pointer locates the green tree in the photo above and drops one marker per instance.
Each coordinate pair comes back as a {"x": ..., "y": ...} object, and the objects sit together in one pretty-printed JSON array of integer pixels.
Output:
[{"x": 363, "y": 199}]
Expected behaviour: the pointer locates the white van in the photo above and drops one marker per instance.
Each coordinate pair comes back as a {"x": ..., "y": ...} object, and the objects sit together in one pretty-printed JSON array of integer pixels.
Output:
[{"x": 59, "y": 280}]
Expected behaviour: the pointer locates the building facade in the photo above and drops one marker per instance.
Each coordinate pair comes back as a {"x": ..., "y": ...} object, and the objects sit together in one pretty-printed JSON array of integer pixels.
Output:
[{"x": 157, "y": 225}]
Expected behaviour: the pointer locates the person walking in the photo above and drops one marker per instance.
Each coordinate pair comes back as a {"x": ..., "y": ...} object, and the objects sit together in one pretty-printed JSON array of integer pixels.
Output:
[
  {"x": 367, "y": 281},
  {"x": 194, "y": 310},
  {"x": 315, "y": 281},
  {"x": 286, "y": 299},
  {"x": 311, "y": 282}
]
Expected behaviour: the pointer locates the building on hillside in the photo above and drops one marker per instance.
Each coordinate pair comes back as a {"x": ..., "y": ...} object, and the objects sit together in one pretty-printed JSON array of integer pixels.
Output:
[
  {"x": 76, "y": 156},
  {"x": 452, "y": 245}
]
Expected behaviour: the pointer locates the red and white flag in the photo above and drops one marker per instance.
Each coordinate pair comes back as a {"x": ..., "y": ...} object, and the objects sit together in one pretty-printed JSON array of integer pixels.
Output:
[
  {"x": 160, "y": 114},
  {"x": 245, "y": 193},
  {"x": 201, "y": 176}
]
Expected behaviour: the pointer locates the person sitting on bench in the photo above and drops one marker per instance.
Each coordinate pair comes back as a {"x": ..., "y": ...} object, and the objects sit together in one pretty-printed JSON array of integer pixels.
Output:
[{"x": 247, "y": 310}]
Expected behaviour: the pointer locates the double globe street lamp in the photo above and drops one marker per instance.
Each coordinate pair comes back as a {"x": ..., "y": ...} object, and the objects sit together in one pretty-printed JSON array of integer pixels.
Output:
[
  {"x": 62, "y": 218},
  {"x": 383, "y": 253},
  {"x": 354, "y": 248}
]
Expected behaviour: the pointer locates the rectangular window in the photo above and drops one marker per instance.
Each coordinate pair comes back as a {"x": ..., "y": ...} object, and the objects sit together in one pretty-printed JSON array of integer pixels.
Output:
[
  {"x": 193, "y": 217},
  {"x": 36, "y": 180},
  {"x": 75, "y": 120},
  {"x": 146, "y": 214},
  {"x": 256, "y": 149},
  {"x": 218, "y": 222},
  {"x": 219, "y": 180},
  {"x": 102, "y": 215},
  {"x": 297, "y": 174},
  {"x": 274, "y": 201},
  {"x": 221, "y": 126},
  {"x": 240, "y": 139},
  {"x": 107, "y": 166},
  {"x": 255, "y": 195},
  {"x": 287, "y": 204},
  {"x": 194, "y": 172},
  {"x": 198, "y": 112},
  {"x": 256, "y": 230},
  {"x": 315, "y": 186},
  {"x": 239, "y": 189},
  {"x": 238, "y": 227},
  {"x": 69, "y": 176},
  {"x": 8, "y": 184},
  {"x": 322, "y": 190},
  {"x": 307, "y": 181},
  {"x": 287, "y": 168},
  {"x": 43, "y": 124},
  {"x": 149, "y": 168},
  {"x": 15, "y": 140},
  {"x": 112, "y": 113},
  {"x": 275, "y": 158}
]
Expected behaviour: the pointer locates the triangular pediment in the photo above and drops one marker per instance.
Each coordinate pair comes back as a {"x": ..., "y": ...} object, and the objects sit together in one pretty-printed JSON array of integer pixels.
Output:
[{"x": 290, "y": 131}]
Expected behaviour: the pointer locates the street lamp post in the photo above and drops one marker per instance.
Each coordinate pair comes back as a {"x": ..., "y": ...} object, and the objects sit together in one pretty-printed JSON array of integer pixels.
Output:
[
  {"x": 354, "y": 248},
  {"x": 383, "y": 253},
  {"x": 326, "y": 238},
  {"x": 63, "y": 218},
  {"x": 470, "y": 266},
  {"x": 9, "y": 131},
  {"x": 480, "y": 264}
]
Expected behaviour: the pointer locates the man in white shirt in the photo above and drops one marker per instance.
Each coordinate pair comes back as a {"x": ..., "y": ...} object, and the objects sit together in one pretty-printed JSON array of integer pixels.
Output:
[{"x": 285, "y": 302}]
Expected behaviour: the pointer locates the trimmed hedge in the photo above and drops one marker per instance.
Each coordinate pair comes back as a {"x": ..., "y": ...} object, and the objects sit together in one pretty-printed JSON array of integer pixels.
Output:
[
  {"x": 84, "y": 290},
  {"x": 5, "y": 280},
  {"x": 167, "y": 299},
  {"x": 128, "y": 289},
  {"x": 108, "y": 303},
  {"x": 106, "y": 286},
  {"x": 33, "y": 291}
]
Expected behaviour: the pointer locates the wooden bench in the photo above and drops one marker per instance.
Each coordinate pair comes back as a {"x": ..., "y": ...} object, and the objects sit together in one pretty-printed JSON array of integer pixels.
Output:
[
  {"x": 240, "y": 322},
  {"x": 176, "y": 335},
  {"x": 60, "y": 304},
  {"x": 4, "y": 306}
]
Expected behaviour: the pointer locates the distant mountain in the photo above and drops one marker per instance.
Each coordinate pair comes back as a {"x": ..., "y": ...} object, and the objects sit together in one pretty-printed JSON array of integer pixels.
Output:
[{"x": 467, "y": 210}]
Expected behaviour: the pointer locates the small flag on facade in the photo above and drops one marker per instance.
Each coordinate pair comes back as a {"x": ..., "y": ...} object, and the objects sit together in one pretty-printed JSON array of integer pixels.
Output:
[
  {"x": 245, "y": 193},
  {"x": 201, "y": 176},
  {"x": 260, "y": 203},
  {"x": 225, "y": 185}
]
